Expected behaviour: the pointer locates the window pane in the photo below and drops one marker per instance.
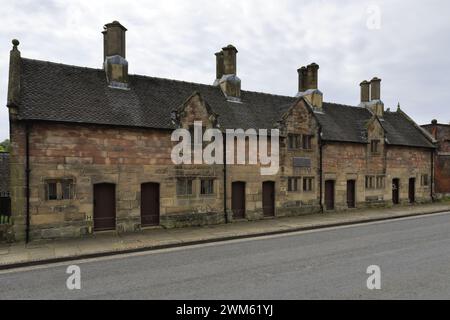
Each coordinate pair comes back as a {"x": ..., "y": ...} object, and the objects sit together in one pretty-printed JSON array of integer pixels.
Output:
[
  {"x": 189, "y": 186},
  {"x": 307, "y": 142},
  {"x": 207, "y": 186},
  {"x": 307, "y": 184},
  {"x": 180, "y": 187},
  {"x": 374, "y": 146},
  {"x": 66, "y": 187},
  {"x": 298, "y": 142},
  {"x": 184, "y": 186},
  {"x": 52, "y": 191},
  {"x": 425, "y": 180},
  {"x": 291, "y": 141}
]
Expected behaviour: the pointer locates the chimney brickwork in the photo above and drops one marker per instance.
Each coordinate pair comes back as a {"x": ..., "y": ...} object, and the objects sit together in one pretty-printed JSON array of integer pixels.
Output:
[
  {"x": 308, "y": 80},
  {"x": 226, "y": 73},
  {"x": 115, "y": 64},
  {"x": 365, "y": 91},
  {"x": 375, "y": 89},
  {"x": 371, "y": 96}
]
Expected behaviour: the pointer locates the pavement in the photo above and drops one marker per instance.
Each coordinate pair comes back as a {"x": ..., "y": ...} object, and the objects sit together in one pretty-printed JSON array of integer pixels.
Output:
[
  {"x": 412, "y": 255},
  {"x": 105, "y": 244}
]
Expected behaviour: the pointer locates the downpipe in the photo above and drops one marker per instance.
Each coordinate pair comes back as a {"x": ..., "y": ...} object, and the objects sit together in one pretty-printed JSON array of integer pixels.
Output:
[{"x": 27, "y": 177}]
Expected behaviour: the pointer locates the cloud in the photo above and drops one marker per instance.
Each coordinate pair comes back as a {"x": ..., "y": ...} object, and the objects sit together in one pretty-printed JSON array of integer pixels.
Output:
[{"x": 177, "y": 39}]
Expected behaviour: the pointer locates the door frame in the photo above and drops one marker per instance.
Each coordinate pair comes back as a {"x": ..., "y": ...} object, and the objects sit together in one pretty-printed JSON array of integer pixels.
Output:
[
  {"x": 396, "y": 183},
  {"x": 333, "y": 184},
  {"x": 244, "y": 198},
  {"x": 352, "y": 181},
  {"x": 412, "y": 197},
  {"x": 114, "y": 202},
  {"x": 159, "y": 204},
  {"x": 272, "y": 183}
]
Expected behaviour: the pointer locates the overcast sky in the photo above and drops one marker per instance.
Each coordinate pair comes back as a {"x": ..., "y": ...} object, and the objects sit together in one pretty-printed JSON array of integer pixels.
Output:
[{"x": 407, "y": 47}]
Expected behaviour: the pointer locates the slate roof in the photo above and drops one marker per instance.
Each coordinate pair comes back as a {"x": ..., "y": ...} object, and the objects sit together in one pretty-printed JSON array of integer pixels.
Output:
[
  {"x": 58, "y": 92},
  {"x": 4, "y": 173}
]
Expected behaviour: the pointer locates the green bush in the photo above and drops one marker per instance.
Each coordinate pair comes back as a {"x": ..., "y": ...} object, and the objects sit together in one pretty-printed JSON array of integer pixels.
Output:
[{"x": 5, "y": 146}]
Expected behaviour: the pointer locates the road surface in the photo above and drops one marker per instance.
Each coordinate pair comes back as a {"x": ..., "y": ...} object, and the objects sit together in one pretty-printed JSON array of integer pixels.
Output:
[{"x": 413, "y": 255}]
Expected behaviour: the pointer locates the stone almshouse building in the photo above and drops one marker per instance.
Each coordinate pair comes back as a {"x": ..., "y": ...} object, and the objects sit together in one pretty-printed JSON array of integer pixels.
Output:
[
  {"x": 91, "y": 148},
  {"x": 441, "y": 132}
]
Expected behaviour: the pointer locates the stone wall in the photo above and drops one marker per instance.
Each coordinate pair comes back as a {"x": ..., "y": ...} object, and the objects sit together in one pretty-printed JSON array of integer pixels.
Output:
[
  {"x": 346, "y": 161},
  {"x": 125, "y": 157},
  {"x": 129, "y": 157},
  {"x": 441, "y": 132}
]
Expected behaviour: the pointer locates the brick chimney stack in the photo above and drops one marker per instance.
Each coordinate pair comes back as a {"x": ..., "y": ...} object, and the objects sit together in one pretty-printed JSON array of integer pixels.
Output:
[
  {"x": 302, "y": 79},
  {"x": 312, "y": 72},
  {"x": 375, "y": 88},
  {"x": 115, "y": 64},
  {"x": 226, "y": 70},
  {"x": 371, "y": 97},
  {"x": 365, "y": 91},
  {"x": 308, "y": 79},
  {"x": 229, "y": 59},
  {"x": 219, "y": 66}
]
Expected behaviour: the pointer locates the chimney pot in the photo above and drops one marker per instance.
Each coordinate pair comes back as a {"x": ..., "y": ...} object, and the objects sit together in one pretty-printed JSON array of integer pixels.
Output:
[
  {"x": 114, "y": 40},
  {"x": 229, "y": 59},
  {"x": 219, "y": 65},
  {"x": 375, "y": 85},
  {"x": 312, "y": 76},
  {"x": 302, "y": 79},
  {"x": 365, "y": 89}
]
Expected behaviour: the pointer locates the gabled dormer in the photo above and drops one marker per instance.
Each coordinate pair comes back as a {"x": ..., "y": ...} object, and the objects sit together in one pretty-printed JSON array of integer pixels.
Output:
[
  {"x": 195, "y": 108},
  {"x": 375, "y": 137}
]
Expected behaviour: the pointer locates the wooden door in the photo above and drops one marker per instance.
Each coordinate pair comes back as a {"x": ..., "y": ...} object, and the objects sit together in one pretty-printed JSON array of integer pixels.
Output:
[
  {"x": 329, "y": 194},
  {"x": 5, "y": 206},
  {"x": 395, "y": 191},
  {"x": 238, "y": 200},
  {"x": 412, "y": 190},
  {"x": 351, "y": 193},
  {"x": 149, "y": 204},
  {"x": 104, "y": 206},
  {"x": 268, "y": 198}
]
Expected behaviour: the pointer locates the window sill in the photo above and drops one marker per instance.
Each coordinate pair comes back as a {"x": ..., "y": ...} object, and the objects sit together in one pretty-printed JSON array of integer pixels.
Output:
[
  {"x": 186, "y": 196},
  {"x": 59, "y": 201},
  {"x": 300, "y": 149},
  {"x": 209, "y": 195}
]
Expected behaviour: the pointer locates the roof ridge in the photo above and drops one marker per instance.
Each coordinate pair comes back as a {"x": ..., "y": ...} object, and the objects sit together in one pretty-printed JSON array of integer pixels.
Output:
[
  {"x": 437, "y": 124},
  {"x": 172, "y": 80},
  {"x": 61, "y": 64},
  {"x": 270, "y": 94},
  {"x": 343, "y": 105}
]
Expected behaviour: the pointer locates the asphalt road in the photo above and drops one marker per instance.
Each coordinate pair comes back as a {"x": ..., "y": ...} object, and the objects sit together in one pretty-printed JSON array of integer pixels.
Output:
[{"x": 413, "y": 255}]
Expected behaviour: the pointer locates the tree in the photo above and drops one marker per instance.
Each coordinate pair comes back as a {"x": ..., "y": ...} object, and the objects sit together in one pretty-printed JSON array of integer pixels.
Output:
[{"x": 5, "y": 146}]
